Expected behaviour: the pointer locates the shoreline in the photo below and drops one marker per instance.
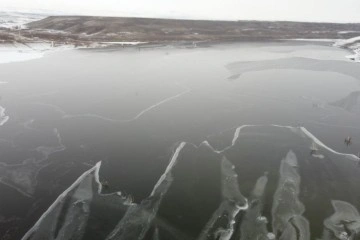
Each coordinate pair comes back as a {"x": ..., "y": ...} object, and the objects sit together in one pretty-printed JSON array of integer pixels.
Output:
[{"x": 21, "y": 52}]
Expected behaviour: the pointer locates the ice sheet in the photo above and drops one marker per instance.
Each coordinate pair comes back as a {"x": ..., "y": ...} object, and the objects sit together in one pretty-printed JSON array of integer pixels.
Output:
[{"x": 287, "y": 219}]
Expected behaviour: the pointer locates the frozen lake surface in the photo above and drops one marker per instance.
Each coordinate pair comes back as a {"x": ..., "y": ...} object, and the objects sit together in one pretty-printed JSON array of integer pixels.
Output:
[{"x": 238, "y": 141}]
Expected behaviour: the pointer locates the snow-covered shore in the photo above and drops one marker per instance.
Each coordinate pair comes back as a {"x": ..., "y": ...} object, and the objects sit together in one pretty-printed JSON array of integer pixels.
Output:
[
  {"x": 17, "y": 52},
  {"x": 352, "y": 44}
]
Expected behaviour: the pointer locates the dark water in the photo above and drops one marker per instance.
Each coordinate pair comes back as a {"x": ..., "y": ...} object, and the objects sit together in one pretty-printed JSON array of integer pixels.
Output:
[{"x": 135, "y": 111}]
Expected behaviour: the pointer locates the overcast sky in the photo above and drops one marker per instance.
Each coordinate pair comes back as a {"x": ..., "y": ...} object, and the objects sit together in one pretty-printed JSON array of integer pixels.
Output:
[{"x": 298, "y": 10}]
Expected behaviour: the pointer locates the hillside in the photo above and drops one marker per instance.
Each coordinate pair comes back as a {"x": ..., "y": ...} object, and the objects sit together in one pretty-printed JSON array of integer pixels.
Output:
[{"x": 144, "y": 29}]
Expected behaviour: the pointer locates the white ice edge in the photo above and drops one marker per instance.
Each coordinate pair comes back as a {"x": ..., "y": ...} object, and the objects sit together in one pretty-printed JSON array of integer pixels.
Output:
[
  {"x": 16, "y": 189},
  {"x": 62, "y": 196},
  {"x": 303, "y": 129},
  {"x": 141, "y": 113},
  {"x": 159, "y": 103},
  {"x": 169, "y": 167},
  {"x": 319, "y": 143},
  {"x": 235, "y": 138}
]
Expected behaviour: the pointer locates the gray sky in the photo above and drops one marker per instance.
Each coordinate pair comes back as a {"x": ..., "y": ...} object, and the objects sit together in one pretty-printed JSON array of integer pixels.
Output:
[{"x": 298, "y": 10}]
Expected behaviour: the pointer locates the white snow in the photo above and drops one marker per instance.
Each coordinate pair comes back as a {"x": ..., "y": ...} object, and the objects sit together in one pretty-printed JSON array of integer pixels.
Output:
[
  {"x": 123, "y": 43},
  {"x": 17, "y": 19},
  {"x": 3, "y": 117},
  {"x": 311, "y": 39},
  {"x": 24, "y": 52},
  {"x": 352, "y": 44},
  {"x": 345, "y": 42}
]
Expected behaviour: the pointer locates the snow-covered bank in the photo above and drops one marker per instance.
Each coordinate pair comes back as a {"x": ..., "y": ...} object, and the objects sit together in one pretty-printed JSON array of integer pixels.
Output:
[
  {"x": 310, "y": 39},
  {"x": 122, "y": 43},
  {"x": 352, "y": 44},
  {"x": 18, "y": 52}
]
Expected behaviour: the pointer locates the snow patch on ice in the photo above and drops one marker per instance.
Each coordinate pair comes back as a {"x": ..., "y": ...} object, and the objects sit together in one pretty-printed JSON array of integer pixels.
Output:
[
  {"x": 352, "y": 44},
  {"x": 3, "y": 117}
]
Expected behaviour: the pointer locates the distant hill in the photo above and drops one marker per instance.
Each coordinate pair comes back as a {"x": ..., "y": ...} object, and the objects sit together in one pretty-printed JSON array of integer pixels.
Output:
[{"x": 147, "y": 29}]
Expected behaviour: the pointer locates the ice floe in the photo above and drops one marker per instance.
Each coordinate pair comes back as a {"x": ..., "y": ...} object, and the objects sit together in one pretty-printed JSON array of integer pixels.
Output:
[
  {"x": 344, "y": 224},
  {"x": 232, "y": 202},
  {"x": 68, "y": 216},
  {"x": 254, "y": 225},
  {"x": 287, "y": 209},
  {"x": 138, "y": 218}
]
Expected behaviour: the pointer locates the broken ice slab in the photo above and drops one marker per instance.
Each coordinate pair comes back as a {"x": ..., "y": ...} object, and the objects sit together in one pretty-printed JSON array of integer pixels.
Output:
[
  {"x": 254, "y": 225},
  {"x": 68, "y": 217},
  {"x": 221, "y": 224},
  {"x": 296, "y": 229},
  {"x": 138, "y": 218},
  {"x": 344, "y": 223},
  {"x": 287, "y": 206}
]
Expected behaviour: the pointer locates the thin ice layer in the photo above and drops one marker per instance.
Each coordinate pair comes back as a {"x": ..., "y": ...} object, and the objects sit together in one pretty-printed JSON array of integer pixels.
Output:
[
  {"x": 350, "y": 103},
  {"x": 23, "y": 177},
  {"x": 221, "y": 224},
  {"x": 287, "y": 205}
]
